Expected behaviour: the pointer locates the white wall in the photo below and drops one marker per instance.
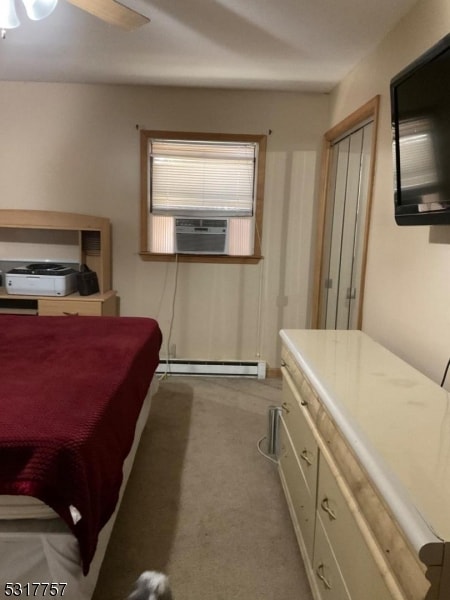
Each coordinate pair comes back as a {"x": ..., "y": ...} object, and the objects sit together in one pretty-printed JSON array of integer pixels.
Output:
[
  {"x": 407, "y": 299},
  {"x": 76, "y": 148}
]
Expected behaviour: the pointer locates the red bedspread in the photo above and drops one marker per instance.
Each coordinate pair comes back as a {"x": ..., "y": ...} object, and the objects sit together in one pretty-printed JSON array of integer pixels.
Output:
[{"x": 71, "y": 389}]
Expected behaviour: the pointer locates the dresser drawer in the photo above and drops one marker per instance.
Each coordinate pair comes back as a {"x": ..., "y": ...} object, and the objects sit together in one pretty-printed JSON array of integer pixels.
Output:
[
  {"x": 289, "y": 363},
  {"x": 97, "y": 305},
  {"x": 298, "y": 424},
  {"x": 301, "y": 502},
  {"x": 302, "y": 385},
  {"x": 69, "y": 307},
  {"x": 330, "y": 582},
  {"x": 362, "y": 576}
]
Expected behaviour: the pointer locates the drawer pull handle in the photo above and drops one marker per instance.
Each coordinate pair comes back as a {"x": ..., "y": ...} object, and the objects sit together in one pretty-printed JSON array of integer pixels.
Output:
[
  {"x": 286, "y": 366},
  {"x": 69, "y": 314},
  {"x": 285, "y": 406},
  {"x": 304, "y": 456},
  {"x": 322, "y": 577},
  {"x": 325, "y": 506}
]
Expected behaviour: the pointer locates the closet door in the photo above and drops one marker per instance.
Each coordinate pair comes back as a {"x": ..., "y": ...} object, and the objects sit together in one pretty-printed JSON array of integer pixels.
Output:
[{"x": 345, "y": 221}]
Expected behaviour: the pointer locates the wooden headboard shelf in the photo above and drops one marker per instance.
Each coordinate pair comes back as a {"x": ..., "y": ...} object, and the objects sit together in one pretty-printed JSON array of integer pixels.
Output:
[{"x": 35, "y": 235}]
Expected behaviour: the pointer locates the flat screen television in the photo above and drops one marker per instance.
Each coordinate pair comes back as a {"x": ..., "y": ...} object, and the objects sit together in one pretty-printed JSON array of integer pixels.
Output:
[{"x": 420, "y": 109}]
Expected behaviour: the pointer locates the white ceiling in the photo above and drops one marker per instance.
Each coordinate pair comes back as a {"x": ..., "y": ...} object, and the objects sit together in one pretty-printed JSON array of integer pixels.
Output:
[{"x": 306, "y": 45}]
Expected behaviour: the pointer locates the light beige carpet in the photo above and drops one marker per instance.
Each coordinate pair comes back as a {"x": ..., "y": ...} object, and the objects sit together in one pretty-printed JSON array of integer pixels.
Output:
[{"x": 202, "y": 504}]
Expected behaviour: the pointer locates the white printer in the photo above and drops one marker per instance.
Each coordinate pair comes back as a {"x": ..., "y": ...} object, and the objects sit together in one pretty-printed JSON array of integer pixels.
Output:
[{"x": 41, "y": 279}]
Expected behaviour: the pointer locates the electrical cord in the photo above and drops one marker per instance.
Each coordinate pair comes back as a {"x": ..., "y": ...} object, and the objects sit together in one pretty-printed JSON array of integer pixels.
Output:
[
  {"x": 445, "y": 373},
  {"x": 172, "y": 317},
  {"x": 258, "y": 445}
]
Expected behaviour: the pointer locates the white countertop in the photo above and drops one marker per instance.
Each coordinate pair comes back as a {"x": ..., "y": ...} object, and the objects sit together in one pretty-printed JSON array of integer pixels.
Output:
[{"x": 396, "y": 419}]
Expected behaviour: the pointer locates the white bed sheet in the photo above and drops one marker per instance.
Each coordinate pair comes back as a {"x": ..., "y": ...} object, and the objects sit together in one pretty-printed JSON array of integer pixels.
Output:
[
  {"x": 24, "y": 507},
  {"x": 37, "y": 550}
]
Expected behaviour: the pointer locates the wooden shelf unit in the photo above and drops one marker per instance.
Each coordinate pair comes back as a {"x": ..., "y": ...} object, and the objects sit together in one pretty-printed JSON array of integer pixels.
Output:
[{"x": 90, "y": 239}]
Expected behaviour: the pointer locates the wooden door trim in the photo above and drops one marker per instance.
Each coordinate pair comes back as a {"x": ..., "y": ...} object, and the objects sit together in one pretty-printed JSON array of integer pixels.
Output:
[{"x": 369, "y": 110}]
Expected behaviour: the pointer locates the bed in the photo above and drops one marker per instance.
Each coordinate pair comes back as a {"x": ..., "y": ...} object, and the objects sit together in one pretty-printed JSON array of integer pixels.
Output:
[{"x": 75, "y": 394}]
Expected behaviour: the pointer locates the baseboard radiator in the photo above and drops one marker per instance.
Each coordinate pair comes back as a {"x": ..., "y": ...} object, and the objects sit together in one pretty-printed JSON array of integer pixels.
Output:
[{"x": 213, "y": 368}]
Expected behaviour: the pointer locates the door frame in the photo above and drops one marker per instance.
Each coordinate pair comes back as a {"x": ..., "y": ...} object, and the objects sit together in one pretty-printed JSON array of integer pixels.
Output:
[{"x": 368, "y": 111}]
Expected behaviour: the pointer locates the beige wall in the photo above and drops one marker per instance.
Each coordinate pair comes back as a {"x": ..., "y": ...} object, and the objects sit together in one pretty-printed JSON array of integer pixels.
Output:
[
  {"x": 76, "y": 148},
  {"x": 407, "y": 300}
]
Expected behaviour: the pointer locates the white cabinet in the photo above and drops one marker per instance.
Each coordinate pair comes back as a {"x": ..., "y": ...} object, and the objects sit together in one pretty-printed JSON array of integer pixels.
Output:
[
  {"x": 298, "y": 423},
  {"x": 362, "y": 575},
  {"x": 302, "y": 502},
  {"x": 352, "y": 437},
  {"x": 330, "y": 582}
]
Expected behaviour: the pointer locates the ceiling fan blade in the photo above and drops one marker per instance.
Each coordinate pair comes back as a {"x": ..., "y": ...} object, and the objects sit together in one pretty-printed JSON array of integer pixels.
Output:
[{"x": 112, "y": 12}]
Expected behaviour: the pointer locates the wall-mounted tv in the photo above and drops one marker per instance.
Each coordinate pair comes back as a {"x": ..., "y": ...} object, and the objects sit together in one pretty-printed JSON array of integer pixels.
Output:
[{"x": 420, "y": 108}]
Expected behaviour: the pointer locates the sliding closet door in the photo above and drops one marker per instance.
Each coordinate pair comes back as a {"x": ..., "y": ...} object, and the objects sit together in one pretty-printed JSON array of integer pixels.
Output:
[{"x": 344, "y": 231}]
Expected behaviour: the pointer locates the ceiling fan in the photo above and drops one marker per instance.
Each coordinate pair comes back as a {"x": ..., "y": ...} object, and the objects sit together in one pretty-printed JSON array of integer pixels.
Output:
[{"x": 111, "y": 11}]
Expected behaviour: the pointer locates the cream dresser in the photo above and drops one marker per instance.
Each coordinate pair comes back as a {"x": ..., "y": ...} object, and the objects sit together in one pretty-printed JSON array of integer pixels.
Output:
[{"x": 364, "y": 460}]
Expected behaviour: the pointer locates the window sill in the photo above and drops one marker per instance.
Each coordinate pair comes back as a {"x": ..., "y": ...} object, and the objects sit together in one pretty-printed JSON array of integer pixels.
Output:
[{"x": 201, "y": 258}]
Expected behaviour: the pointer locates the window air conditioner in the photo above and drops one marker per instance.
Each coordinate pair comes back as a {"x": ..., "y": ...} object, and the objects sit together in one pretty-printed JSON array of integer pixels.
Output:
[{"x": 201, "y": 236}]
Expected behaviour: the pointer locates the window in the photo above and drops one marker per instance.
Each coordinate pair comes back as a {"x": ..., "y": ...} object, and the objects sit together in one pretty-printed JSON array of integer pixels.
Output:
[{"x": 202, "y": 196}]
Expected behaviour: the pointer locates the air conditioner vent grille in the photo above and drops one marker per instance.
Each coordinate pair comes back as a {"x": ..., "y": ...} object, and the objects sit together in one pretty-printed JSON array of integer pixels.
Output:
[{"x": 201, "y": 236}]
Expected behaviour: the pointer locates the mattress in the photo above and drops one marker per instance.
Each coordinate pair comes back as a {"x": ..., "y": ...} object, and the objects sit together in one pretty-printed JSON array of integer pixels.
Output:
[
  {"x": 72, "y": 390},
  {"x": 24, "y": 507},
  {"x": 39, "y": 549}
]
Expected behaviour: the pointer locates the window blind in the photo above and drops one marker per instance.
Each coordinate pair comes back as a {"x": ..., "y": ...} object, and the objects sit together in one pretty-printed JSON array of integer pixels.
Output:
[{"x": 213, "y": 178}]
